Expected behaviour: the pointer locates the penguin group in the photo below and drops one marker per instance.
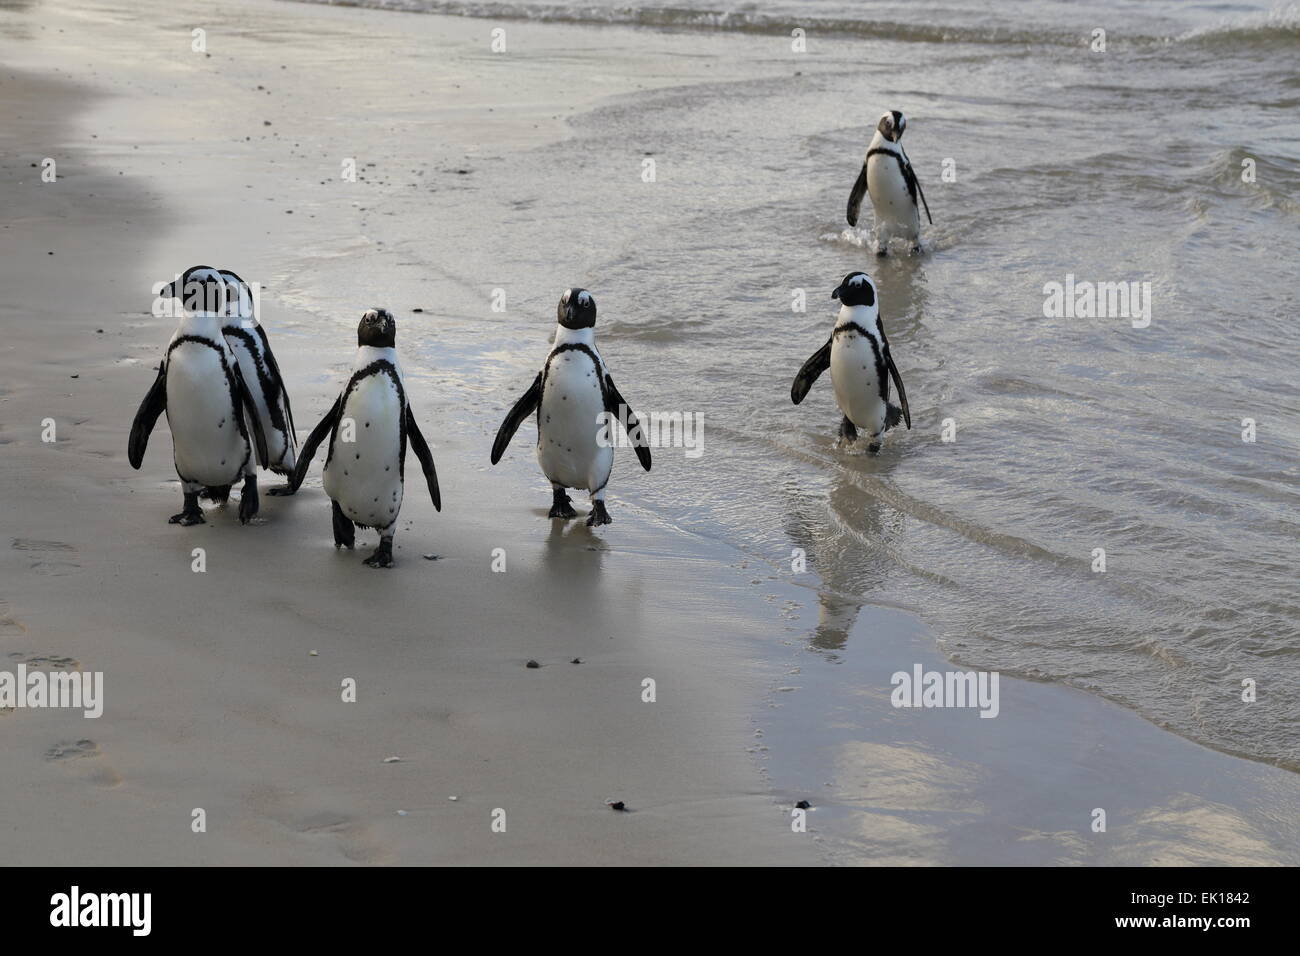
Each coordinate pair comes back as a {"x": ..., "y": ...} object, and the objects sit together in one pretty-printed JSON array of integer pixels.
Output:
[{"x": 228, "y": 410}]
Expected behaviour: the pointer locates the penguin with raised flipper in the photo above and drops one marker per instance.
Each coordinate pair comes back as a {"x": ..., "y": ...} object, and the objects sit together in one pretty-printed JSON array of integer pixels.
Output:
[
  {"x": 210, "y": 411},
  {"x": 577, "y": 406},
  {"x": 857, "y": 353},
  {"x": 369, "y": 427}
]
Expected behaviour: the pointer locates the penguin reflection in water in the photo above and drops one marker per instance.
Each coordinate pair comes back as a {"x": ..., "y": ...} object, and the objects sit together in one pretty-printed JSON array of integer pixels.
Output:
[
  {"x": 369, "y": 426},
  {"x": 210, "y": 409},
  {"x": 857, "y": 353},
  {"x": 888, "y": 177},
  {"x": 578, "y": 406}
]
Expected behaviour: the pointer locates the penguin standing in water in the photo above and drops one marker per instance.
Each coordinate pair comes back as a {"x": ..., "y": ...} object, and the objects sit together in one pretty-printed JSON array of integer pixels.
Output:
[
  {"x": 200, "y": 387},
  {"x": 888, "y": 176},
  {"x": 261, "y": 373},
  {"x": 857, "y": 354},
  {"x": 369, "y": 426},
  {"x": 577, "y": 407}
]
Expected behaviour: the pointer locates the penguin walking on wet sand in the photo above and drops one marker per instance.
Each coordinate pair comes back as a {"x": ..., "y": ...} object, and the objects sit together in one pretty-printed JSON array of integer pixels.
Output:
[
  {"x": 261, "y": 373},
  {"x": 857, "y": 353},
  {"x": 369, "y": 426},
  {"x": 578, "y": 406},
  {"x": 209, "y": 408},
  {"x": 888, "y": 176}
]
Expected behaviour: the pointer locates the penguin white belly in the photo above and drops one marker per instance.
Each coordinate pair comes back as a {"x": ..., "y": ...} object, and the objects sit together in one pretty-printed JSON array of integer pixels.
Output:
[
  {"x": 569, "y": 422},
  {"x": 364, "y": 475},
  {"x": 206, "y": 442},
  {"x": 895, "y": 210},
  {"x": 278, "y": 448},
  {"x": 857, "y": 387}
]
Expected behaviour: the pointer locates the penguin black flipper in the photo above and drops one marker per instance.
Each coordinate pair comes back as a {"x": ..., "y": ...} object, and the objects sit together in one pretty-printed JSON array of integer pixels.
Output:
[
  {"x": 526, "y": 405},
  {"x": 308, "y": 451},
  {"x": 811, "y": 371},
  {"x": 914, "y": 185},
  {"x": 244, "y": 399},
  {"x": 856, "y": 197},
  {"x": 421, "y": 448},
  {"x": 155, "y": 402},
  {"x": 898, "y": 384},
  {"x": 274, "y": 368},
  {"x": 613, "y": 403}
]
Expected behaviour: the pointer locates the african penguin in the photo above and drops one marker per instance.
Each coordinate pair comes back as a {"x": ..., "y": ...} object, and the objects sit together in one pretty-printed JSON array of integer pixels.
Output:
[
  {"x": 571, "y": 395},
  {"x": 369, "y": 426},
  {"x": 857, "y": 354},
  {"x": 888, "y": 176},
  {"x": 200, "y": 387},
  {"x": 247, "y": 340}
]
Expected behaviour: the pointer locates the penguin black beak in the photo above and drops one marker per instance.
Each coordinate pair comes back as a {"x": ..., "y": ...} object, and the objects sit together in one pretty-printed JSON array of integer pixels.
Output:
[{"x": 836, "y": 293}]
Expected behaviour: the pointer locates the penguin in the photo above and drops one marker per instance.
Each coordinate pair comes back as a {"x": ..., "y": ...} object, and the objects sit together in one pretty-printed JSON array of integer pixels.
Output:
[
  {"x": 857, "y": 353},
  {"x": 577, "y": 406},
  {"x": 888, "y": 176},
  {"x": 247, "y": 340},
  {"x": 209, "y": 408},
  {"x": 369, "y": 426}
]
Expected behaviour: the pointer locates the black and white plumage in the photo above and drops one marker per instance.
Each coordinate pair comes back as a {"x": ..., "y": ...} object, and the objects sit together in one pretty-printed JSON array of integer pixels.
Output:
[
  {"x": 578, "y": 406},
  {"x": 369, "y": 426},
  {"x": 857, "y": 353},
  {"x": 888, "y": 177},
  {"x": 261, "y": 373},
  {"x": 209, "y": 408}
]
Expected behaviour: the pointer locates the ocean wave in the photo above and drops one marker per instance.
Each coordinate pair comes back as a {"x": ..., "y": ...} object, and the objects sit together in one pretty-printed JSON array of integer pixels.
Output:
[
  {"x": 1281, "y": 25},
  {"x": 733, "y": 21}
]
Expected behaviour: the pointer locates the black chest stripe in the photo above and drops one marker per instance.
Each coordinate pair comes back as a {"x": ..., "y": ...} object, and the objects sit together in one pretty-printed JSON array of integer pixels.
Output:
[
  {"x": 571, "y": 347},
  {"x": 236, "y": 403},
  {"x": 882, "y": 382},
  {"x": 902, "y": 168},
  {"x": 377, "y": 367}
]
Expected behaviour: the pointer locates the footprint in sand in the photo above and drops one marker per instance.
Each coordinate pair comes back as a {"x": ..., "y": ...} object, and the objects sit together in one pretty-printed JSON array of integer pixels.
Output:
[
  {"x": 9, "y": 626},
  {"x": 85, "y": 759},
  {"x": 355, "y": 841},
  {"x": 55, "y": 661},
  {"x": 49, "y": 557}
]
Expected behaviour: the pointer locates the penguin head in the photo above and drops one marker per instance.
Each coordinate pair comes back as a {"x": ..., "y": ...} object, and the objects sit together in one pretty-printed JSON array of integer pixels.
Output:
[
  {"x": 200, "y": 289},
  {"x": 239, "y": 297},
  {"x": 892, "y": 125},
  {"x": 856, "y": 289},
  {"x": 377, "y": 329},
  {"x": 577, "y": 309}
]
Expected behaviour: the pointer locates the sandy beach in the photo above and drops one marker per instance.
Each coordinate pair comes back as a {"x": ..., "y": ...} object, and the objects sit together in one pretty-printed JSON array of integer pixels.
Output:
[{"x": 222, "y": 689}]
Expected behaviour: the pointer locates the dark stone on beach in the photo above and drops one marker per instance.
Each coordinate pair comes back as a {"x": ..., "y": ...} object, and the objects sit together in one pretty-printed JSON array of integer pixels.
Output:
[
  {"x": 576, "y": 660},
  {"x": 803, "y": 805},
  {"x": 618, "y": 805},
  {"x": 532, "y": 665},
  {"x": 417, "y": 310},
  {"x": 431, "y": 557}
]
